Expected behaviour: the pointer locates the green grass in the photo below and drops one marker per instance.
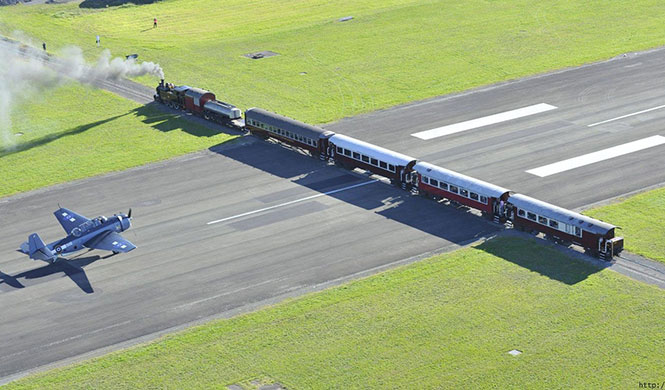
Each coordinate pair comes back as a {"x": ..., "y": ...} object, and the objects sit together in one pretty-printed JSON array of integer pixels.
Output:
[
  {"x": 445, "y": 322},
  {"x": 392, "y": 52},
  {"x": 642, "y": 221},
  {"x": 76, "y": 132}
]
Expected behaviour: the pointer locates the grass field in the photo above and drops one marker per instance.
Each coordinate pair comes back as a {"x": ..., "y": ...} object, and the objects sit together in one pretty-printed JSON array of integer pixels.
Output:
[
  {"x": 392, "y": 52},
  {"x": 76, "y": 132},
  {"x": 642, "y": 221},
  {"x": 445, "y": 322}
]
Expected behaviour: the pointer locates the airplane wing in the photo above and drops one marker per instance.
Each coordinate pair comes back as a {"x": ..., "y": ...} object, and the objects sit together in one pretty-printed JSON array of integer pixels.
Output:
[
  {"x": 69, "y": 219},
  {"x": 111, "y": 241}
]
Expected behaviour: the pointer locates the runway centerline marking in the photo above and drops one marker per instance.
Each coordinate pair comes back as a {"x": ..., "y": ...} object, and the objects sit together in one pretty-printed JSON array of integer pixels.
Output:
[
  {"x": 626, "y": 116},
  {"x": 293, "y": 202},
  {"x": 601, "y": 155},
  {"x": 484, "y": 121}
]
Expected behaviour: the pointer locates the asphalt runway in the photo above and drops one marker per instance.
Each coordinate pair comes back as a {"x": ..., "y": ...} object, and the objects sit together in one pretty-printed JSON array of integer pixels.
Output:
[
  {"x": 186, "y": 270},
  {"x": 502, "y": 153}
]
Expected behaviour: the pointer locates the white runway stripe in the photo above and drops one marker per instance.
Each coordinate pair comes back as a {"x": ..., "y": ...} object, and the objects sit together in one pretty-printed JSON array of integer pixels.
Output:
[
  {"x": 600, "y": 155},
  {"x": 292, "y": 202},
  {"x": 484, "y": 121},
  {"x": 626, "y": 116}
]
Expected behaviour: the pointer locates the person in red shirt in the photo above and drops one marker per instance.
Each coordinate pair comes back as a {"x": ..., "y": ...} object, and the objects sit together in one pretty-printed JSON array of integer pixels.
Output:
[{"x": 154, "y": 23}]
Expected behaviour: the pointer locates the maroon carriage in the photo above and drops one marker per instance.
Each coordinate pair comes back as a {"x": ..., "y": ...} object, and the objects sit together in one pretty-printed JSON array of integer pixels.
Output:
[
  {"x": 444, "y": 183},
  {"x": 589, "y": 233}
]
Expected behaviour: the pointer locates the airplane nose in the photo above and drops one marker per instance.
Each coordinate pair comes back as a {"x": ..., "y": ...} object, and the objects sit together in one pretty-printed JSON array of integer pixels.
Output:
[{"x": 125, "y": 224}]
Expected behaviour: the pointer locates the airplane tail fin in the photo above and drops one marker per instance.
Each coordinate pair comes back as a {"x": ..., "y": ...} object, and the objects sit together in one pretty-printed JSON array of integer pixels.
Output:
[{"x": 37, "y": 249}]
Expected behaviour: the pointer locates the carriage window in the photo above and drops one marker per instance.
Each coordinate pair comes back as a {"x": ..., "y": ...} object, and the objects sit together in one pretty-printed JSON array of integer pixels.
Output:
[
  {"x": 391, "y": 167},
  {"x": 425, "y": 179},
  {"x": 374, "y": 161},
  {"x": 531, "y": 216},
  {"x": 364, "y": 158},
  {"x": 483, "y": 199},
  {"x": 464, "y": 192},
  {"x": 542, "y": 220},
  {"x": 356, "y": 155},
  {"x": 554, "y": 224},
  {"x": 347, "y": 152},
  {"x": 453, "y": 189},
  {"x": 474, "y": 196},
  {"x": 383, "y": 165},
  {"x": 433, "y": 182},
  {"x": 520, "y": 212},
  {"x": 340, "y": 150},
  {"x": 578, "y": 231},
  {"x": 313, "y": 143},
  {"x": 443, "y": 185}
]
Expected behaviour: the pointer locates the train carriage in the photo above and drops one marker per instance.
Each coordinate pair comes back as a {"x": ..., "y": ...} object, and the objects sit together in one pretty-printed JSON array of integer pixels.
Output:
[
  {"x": 290, "y": 131},
  {"x": 444, "y": 183},
  {"x": 592, "y": 234},
  {"x": 351, "y": 153}
]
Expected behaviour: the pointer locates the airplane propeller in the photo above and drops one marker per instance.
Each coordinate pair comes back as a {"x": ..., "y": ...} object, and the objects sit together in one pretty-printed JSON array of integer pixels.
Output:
[{"x": 129, "y": 214}]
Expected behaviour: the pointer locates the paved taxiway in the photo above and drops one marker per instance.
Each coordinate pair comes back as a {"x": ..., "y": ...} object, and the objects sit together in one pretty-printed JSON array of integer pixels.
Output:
[{"x": 185, "y": 270}]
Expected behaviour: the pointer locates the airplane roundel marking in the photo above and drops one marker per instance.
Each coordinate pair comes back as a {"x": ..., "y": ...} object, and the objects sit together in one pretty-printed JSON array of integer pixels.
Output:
[{"x": 58, "y": 249}]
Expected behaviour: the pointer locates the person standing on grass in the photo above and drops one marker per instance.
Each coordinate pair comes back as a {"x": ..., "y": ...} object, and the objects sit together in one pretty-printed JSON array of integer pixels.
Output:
[
  {"x": 44, "y": 45},
  {"x": 97, "y": 40},
  {"x": 154, "y": 22}
]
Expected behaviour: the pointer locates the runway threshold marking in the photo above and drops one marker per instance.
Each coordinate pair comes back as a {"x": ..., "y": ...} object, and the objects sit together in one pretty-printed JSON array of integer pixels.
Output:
[
  {"x": 626, "y": 116},
  {"x": 484, "y": 121},
  {"x": 293, "y": 202},
  {"x": 601, "y": 155}
]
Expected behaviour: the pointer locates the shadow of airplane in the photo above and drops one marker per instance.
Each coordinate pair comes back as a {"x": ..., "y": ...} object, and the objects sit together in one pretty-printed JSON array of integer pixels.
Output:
[{"x": 71, "y": 268}]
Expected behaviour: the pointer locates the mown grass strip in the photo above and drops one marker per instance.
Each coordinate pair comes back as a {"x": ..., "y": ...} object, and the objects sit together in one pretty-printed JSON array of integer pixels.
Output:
[
  {"x": 76, "y": 132},
  {"x": 392, "y": 52},
  {"x": 445, "y": 322},
  {"x": 641, "y": 219}
]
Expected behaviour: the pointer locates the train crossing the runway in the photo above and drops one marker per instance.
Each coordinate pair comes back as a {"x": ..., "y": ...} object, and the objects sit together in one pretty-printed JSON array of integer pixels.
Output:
[{"x": 495, "y": 202}]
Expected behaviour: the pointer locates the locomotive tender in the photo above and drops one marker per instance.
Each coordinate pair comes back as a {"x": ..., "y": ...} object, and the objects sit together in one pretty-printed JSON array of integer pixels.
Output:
[
  {"x": 495, "y": 202},
  {"x": 200, "y": 102}
]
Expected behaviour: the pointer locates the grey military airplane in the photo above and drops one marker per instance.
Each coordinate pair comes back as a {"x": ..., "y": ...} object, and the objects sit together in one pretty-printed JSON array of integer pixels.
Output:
[{"x": 97, "y": 233}]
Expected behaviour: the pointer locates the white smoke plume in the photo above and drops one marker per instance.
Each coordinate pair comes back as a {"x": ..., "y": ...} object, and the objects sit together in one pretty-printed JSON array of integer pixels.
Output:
[{"x": 25, "y": 72}]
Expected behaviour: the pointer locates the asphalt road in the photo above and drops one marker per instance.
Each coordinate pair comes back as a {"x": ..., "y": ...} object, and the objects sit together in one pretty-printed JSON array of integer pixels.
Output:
[{"x": 185, "y": 270}]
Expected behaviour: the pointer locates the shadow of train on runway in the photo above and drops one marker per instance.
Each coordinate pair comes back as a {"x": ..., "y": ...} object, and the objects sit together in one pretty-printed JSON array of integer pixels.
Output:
[
  {"x": 454, "y": 224},
  {"x": 70, "y": 268}
]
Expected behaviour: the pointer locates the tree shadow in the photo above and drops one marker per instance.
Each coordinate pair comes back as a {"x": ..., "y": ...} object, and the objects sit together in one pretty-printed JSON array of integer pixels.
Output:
[
  {"x": 70, "y": 268},
  {"x": 22, "y": 147}
]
